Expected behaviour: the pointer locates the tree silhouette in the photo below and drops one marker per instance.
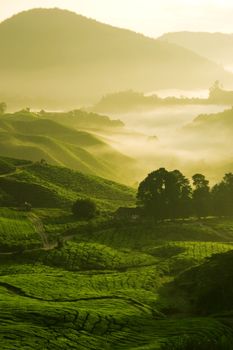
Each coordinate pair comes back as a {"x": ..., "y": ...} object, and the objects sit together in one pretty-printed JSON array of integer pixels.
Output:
[
  {"x": 222, "y": 196},
  {"x": 165, "y": 194},
  {"x": 84, "y": 209},
  {"x": 201, "y": 195}
]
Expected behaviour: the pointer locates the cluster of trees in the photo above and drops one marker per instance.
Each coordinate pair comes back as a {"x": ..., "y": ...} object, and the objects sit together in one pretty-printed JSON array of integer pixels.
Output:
[{"x": 169, "y": 194}]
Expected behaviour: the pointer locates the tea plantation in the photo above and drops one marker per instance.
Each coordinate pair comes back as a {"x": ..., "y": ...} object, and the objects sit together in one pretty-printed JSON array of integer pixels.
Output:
[{"x": 108, "y": 284}]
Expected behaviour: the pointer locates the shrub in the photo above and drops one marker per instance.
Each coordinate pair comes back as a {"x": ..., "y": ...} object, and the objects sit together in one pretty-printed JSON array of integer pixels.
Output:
[{"x": 84, "y": 209}]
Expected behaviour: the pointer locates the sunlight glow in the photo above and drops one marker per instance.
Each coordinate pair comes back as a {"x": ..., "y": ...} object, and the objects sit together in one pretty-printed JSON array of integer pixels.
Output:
[{"x": 150, "y": 17}]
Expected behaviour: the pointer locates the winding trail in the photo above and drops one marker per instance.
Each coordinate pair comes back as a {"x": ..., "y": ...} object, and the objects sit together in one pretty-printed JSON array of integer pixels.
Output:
[
  {"x": 35, "y": 220},
  {"x": 38, "y": 224},
  {"x": 18, "y": 169}
]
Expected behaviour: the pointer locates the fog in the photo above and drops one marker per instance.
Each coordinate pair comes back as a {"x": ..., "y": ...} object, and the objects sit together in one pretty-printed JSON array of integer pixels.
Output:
[{"x": 162, "y": 137}]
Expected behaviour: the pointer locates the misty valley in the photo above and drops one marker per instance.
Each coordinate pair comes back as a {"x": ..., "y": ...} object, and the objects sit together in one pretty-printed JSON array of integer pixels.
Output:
[{"x": 116, "y": 186}]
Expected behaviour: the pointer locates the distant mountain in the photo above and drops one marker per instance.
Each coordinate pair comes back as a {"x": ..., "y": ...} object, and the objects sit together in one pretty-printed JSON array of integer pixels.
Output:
[
  {"x": 217, "y": 47},
  {"x": 26, "y": 135},
  {"x": 56, "y": 58},
  {"x": 209, "y": 138},
  {"x": 219, "y": 123}
]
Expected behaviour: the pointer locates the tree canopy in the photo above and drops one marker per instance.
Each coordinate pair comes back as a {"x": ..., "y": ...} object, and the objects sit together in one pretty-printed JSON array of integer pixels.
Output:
[
  {"x": 201, "y": 195},
  {"x": 84, "y": 209},
  {"x": 167, "y": 194}
]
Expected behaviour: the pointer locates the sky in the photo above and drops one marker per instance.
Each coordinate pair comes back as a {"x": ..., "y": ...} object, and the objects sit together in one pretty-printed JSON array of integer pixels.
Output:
[{"x": 150, "y": 17}]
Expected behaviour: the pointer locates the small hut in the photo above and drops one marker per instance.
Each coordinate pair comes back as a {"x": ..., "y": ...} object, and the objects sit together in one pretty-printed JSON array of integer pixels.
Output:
[{"x": 127, "y": 213}]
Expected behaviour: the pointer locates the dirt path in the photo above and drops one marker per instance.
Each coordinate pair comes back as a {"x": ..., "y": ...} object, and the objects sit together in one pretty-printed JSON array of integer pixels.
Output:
[
  {"x": 18, "y": 169},
  {"x": 37, "y": 223}
]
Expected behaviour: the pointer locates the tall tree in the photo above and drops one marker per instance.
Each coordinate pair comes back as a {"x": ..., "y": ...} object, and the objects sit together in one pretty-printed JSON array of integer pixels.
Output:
[
  {"x": 201, "y": 195},
  {"x": 165, "y": 194},
  {"x": 222, "y": 196}
]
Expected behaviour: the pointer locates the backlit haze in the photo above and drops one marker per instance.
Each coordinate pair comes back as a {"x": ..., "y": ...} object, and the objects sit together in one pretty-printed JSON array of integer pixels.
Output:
[{"x": 150, "y": 17}]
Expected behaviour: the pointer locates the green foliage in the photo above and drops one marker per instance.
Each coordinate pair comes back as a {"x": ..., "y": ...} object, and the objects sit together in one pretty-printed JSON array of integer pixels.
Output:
[
  {"x": 165, "y": 194},
  {"x": 205, "y": 284},
  {"x": 6, "y": 167},
  {"x": 84, "y": 209},
  {"x": 27, "y": 135},
  {"x": 168, "y": 195},
  {"x": 17, "y": 231},
  {"x": 58, "y": 187},
  {"x": 106, "y": 295},
  {"x": 222, "y": 196},
  {"x": 195, "y": 342},
  {"x": 201, "y": 195},
  {"x": 78, "y": 256}
]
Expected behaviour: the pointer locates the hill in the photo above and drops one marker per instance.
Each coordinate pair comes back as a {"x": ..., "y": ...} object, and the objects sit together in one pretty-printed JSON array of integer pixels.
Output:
[
  {"x": 214, "y": 134},
  {"x": 207, "y": 283},
  {"x": 214, "y": 123},
  {"x": 58, "y": 187},
  {"x": 27, "y": 135},
  {"x": 217, "y": 47},
  {"x": 81, "y": 60},
  {"x": 80, "y": 119}
]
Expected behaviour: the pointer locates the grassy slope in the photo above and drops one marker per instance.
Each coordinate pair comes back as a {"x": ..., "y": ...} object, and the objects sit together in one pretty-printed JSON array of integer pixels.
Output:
[
  {"x": 17, "y": 231},
  {"x": 51, "y": 186},
  {"x": 25, "y": 135},
  {"x": 111, "y": 277}
]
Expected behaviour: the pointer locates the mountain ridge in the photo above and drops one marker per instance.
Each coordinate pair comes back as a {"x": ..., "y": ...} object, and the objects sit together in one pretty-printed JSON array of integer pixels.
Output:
[
  {"x": 83, "y": 59},
  {"x": 216, "y": 46}
]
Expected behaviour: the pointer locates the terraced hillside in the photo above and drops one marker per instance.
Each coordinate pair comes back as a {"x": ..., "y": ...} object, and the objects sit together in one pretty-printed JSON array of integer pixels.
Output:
[
  {"x": 44, "y": 185},
  {"x": 107, "y": 284},
  {"x": 17, "y": 231},
  {"x": 25, "y": 135}
]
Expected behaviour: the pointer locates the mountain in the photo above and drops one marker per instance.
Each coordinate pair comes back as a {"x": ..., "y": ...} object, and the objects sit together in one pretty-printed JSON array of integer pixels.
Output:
[
  {"x": 217, "y": 47},
  {"x": 26, "y": 135},
  {"x": 56, "y": 58}
]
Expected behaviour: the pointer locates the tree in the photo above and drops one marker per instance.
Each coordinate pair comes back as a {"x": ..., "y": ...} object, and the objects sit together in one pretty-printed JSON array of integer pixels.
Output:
[
  {"x": 201, "y": 195},
  {"x": 222, "y": 196},
  {"x": 3, "y": 107},
  {"x": 165, "y": 194},
  {"x": 84, "y": 209}
]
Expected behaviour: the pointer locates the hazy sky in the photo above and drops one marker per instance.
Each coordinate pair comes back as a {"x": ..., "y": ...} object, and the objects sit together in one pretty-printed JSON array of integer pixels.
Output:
[{"x": 152, "y": 17}]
